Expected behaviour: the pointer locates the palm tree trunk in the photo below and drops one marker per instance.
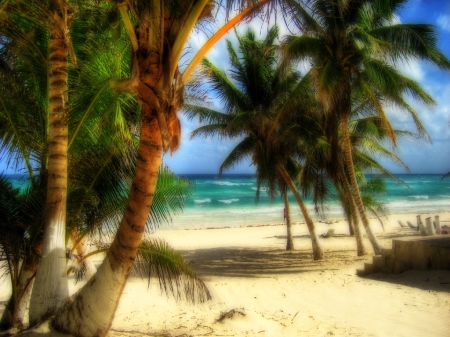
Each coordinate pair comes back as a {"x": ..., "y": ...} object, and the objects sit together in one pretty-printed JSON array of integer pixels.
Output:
[
  {"x": 289, "y": 241},
  {"x": 360, "y": 248},
  {"x": 317, "y": 249},
  {"x": 351, "y": 229},
  {"x": 91, "y": 311},
  {"x": 354, "y": 186},
  {"x": 50, "y": 287},
  {"x": 14, "y": 313}
]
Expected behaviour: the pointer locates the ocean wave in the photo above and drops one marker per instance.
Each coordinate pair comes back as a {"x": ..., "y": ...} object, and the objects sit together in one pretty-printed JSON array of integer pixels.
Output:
[
  {"x": 202, "y": 201},
  {"x": 228, "y": 201},
  {"x": 262, "y": 189},
  {"x": 229, "y": 183},
  {"x": 419, "y": 196}
]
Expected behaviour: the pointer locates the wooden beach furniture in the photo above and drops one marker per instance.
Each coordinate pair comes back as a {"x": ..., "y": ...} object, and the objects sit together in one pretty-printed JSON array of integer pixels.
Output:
[
  {"x": 411, "y": 225},
  {"x": 400, "y": 222},
  {"x": 329, "y": 234}
]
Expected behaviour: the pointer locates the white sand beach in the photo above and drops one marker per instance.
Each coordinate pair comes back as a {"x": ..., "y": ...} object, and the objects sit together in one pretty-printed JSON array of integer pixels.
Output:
[{"x": 260, "y": 289}]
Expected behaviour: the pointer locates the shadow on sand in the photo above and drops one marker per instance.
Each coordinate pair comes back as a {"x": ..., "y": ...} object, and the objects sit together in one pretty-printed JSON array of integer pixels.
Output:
[{"x": 244, "y": 262}]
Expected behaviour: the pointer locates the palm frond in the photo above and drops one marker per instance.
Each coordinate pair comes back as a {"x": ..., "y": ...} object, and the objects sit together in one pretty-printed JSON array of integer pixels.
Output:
[
  {"x": 175, "y": 276},
  {"x": 240, "y": 152},
  {"x": 171, "y": 196},
  {"x": 412, "y": 40}
]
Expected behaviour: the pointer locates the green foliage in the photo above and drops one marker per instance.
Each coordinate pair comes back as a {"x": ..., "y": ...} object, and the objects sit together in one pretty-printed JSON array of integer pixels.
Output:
[
  {"x": 157, "y": 259},
  {"x": 261, "y": 106}
]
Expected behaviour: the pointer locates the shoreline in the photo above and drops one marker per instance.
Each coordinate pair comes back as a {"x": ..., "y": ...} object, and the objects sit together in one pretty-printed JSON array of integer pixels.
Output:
[{"x": 329, "y": 221}]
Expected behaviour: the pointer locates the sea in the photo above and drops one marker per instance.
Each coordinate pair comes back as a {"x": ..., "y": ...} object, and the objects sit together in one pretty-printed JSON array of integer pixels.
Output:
[{"x": 230, "y": 201}]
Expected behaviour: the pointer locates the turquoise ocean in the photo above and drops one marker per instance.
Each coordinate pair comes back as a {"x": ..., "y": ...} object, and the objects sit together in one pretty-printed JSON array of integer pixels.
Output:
[{"x": 229, "y": 201}]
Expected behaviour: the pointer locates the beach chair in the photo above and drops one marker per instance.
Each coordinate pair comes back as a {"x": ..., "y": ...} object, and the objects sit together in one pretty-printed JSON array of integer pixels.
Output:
[
  {"x": 411, "y": 225},
  {"x": 400, "y": 222},
  {"x": 328, "y": 234}
]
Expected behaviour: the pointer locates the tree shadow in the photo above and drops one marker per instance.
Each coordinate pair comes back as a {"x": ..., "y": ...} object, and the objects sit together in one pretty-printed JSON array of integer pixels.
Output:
[
  {"x": 256, "y": 263},
  {"x": 429, "y": 280}
]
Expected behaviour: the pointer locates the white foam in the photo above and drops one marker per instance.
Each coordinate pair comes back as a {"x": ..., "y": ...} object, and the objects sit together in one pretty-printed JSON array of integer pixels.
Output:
[
  {"x": 202, "y": 201},
  {"x": 262, "y": 189},
  {"x": 228, "y": 201},
  {"x": 419, "y": 196},
  {"x": 229, "y": 183}
]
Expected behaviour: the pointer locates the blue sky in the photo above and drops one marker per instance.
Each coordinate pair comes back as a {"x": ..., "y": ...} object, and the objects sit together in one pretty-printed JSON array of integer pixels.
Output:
[{"x": 205, "y": 155}]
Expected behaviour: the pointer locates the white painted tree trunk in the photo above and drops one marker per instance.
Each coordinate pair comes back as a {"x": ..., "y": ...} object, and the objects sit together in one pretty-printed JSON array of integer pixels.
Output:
[
  {"x": 438, "y": 224},
  {"x": 104, "y": 290},
  {"x": 430, "y": 228},
  {"x": 91, "y": 269},
  {"x": 420, "y": 225},
  {"x": 50, "y": 286},
  {"x": 23, "y": 305}
]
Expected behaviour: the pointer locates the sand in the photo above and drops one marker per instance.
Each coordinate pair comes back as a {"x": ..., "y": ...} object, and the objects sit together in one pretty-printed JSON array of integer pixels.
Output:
[{"x": 260, "y": 289}]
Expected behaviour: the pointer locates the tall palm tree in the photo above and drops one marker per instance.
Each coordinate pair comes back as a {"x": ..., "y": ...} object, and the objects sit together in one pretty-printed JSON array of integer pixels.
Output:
[
  {"x": 102, "y": 151},
  {"x": 158, "y": 31},
  {"x": 321, "y": 172},
  {"x": 353, "y": 45},
  {"x": 252, "y": 101},
  {"x": 36, "y": 37}
]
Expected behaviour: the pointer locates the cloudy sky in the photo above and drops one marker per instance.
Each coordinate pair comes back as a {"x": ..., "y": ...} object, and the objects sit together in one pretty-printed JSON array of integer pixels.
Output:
[{"x": 205, "y": 155}]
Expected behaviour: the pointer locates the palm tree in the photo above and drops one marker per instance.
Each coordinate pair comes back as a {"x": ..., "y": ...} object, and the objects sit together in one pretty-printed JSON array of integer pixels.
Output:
[
  {"x": 321, "y": 172},
  {"x": 252, "y": 102},
  {"x": 100, "y": 162},
  {"x": 51, "y": 288},
  {"x": 353, "y": 46},
  {"x": 162, "y": 29}
]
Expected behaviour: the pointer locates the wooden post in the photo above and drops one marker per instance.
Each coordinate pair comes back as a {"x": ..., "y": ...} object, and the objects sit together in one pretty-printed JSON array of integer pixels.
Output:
[
  {"x": 422, "y": 229},
  {"x": 438, "y": 224},
  {"x": 430, "y": 228}
]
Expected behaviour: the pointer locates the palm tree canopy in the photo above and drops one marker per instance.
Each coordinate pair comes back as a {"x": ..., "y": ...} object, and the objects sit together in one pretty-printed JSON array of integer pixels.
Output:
[
  {"x": 261, "y": 105},
  {"x": 358, "y": 43}
]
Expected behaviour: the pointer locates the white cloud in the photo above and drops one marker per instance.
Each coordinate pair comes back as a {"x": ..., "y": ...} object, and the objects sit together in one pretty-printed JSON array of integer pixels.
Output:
[
  {"x": 412, "y": 69},
  {"x": 443, "y": 21}
]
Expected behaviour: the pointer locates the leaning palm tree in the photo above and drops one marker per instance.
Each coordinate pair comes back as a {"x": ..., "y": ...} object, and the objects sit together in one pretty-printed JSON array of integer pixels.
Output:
[
  {"x": 252, "y": 102},
  {"x": 353, "y": 45},
  {"x": 321, "y": 173},
  {"x": 102, "y": 150},
  {"x": 157, "y": 31}
]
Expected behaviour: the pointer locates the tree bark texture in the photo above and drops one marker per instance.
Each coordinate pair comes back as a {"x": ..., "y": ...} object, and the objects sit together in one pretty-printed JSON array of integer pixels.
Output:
[
  {"x": 317, "y": 249},
  {"x": 91, "y": 311},
  {"x": 360, "y": 247},
  {"x": 289, "y": 240},
  {"x": 50, "y": 287},
  {"x": 355, "y": 188}
]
